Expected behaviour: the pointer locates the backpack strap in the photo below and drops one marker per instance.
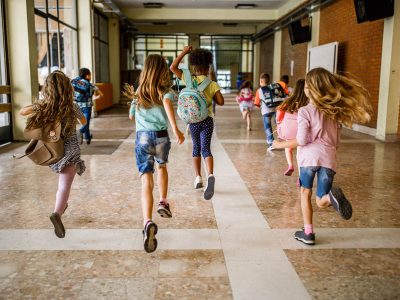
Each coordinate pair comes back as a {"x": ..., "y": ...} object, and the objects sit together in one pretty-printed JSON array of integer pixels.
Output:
[
  {"x": 204, "y": 84},
  {"x": 188, "y": 78}
]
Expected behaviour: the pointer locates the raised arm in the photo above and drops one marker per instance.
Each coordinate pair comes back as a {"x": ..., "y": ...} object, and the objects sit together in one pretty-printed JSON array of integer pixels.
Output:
[
  {"x": 27, "y": 110},
  {"x": 175, "y": 64},
  {"x": 171, "y": 118}
]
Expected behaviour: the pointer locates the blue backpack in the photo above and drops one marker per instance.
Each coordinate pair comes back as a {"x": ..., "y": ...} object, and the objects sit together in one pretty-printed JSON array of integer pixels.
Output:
[
  {"x": 83, "y": 90},
  {"x": 192, "y": 103},
  {"x": 273, "y": 94}
]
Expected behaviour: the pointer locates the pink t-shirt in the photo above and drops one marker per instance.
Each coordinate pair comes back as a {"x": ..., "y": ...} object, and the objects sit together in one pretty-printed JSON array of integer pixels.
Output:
[{"x": 317, "y": 138}]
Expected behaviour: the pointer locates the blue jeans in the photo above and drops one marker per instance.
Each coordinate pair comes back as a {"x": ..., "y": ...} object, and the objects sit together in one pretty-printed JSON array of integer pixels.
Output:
[
  {"x": 151, "y": 146},
  {"x": 87, "y": 112},
  {"x": 324, "y": 179},
  {"x": 267, "y": 120}
]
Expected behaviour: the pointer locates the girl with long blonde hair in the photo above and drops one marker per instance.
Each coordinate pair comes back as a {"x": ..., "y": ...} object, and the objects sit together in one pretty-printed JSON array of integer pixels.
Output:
[
  {"x": 57, "y": 106},
  {"x": 335, "y": 100},
  {"x": 151, "y": 109}
]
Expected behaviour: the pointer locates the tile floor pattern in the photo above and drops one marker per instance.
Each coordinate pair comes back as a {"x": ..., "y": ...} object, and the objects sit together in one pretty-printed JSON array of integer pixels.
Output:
[{"x": 239, "y": 245}]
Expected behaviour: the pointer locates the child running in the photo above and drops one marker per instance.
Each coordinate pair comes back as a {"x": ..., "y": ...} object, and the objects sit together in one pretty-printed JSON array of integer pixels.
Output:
[
  {"x": 334, "y": 100},
  {"x": 201, "y": 132},
  {"x": 57, "y": 105},
  {"x": 151, "y": 110},
  {"x": 245, "y": 101},
  {"x": 286, "y": 117}
]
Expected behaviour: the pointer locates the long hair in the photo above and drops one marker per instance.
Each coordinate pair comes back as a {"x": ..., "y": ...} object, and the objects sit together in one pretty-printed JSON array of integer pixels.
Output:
[
  {"x": 339, "y": 97},
  {"x": 245, "y": 84},
  {"x": 57, "y": 104},
  {"x": 296, "y": 100},
  {"x": 154, "y": 81}
]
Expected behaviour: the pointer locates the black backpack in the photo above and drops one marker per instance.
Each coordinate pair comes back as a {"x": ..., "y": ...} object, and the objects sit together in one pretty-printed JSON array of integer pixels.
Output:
[{"x": 273, "y": 94}]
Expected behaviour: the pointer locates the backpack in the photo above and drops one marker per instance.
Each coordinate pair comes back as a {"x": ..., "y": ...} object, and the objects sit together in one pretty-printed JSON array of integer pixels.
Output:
[
  {"x": 248, "y": 93},
  {"x": 82, "y": 89},
  {"x": 46, "y": 146},
  {"x": 192, "y": 103},
  {"x": 273, "y": 94}
]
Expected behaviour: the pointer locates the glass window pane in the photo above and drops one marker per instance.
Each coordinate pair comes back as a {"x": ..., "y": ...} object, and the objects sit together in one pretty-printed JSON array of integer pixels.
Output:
[
  {"x": 41, "y": 47},
  {"x": 53, "y": 40},
  {"x": 67, "y": 11},
  {"x": 40, "y": 5},
  {"x": 140, "y": 56},
  {"x": 227, "y": 44},
  {"x": 104, "y": 62},
  {"x": 140, "y": 44},
  {"x": 4, "y": 119},
  {"x": 97, "y": 61},
  {"x": 96, "y": 24},
  {"x": 103, "y": 29},
  {"x": 52, "y": 8},
  {"x": 69, "y": 51},
  {"x": 205, "y": 42}
]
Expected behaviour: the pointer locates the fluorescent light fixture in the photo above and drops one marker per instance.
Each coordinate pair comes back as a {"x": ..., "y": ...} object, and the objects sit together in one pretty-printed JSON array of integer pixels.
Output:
[
  {"x": 245, "y": 6},
  {"x": 230, "y": 24}
]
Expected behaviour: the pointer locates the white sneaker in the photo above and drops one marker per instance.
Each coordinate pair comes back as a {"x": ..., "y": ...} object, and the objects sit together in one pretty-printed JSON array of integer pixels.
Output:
[
  {"x": 270, "y": 148},
  {"x": 198, "y": 182}
]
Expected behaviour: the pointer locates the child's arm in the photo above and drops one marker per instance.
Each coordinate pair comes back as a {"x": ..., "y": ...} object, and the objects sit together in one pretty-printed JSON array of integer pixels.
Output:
[
  {"x": 132, "y": 111},
  {"x": 218, "y": 98},
  {"x": 175, "y": 64},
  {"x": 278, "y": 144},
  {"x": 171, "y": 117},
  {"x": 27, "y": 110},
  {"x": 257, "y": 99}
]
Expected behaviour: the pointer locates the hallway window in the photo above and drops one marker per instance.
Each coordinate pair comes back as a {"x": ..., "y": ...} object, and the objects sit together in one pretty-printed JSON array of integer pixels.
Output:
[
  {"x": 101, "y": 66},
  {"x": 233, "y": 57},
  {"x": 56, "y": 37}
]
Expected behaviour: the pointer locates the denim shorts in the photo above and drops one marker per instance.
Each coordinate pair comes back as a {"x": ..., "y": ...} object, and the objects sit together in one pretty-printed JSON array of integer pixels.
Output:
[
  {"x": 151, "y": 146},
  {"x": 324, "y": 179}
]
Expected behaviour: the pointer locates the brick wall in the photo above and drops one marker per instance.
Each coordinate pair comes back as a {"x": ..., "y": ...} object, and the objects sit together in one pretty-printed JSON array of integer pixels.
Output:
[
  {"x": 297, "y": 54},
  {"x": 266, "y": 56},
  {"x": 360, "y": 45}
]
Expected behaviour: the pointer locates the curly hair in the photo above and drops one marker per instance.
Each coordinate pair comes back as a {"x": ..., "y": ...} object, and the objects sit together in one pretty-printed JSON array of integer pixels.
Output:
[
  {"x": 339, "y": 97},
  {"x": 200, "y": 58},
  {"x": 154, "y": 81},
  {"x": 57, "y": 104},
  {"x": 296, "y": 100}
]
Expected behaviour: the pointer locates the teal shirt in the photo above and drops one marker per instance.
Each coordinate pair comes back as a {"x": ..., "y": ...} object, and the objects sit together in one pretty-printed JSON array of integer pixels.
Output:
[{"x": 152, "y": 119}]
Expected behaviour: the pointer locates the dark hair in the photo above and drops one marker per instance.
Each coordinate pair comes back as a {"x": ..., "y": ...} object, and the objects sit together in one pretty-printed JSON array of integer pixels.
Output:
[
  {"x": 265, "y": 76},
  {"x": 296, "y": 100},
  {"x": 245, "y": 84},
  {"x": 285, "y": 79},
  {"x": 83, "y": 72},
  {"x": 200, "y": 58}
]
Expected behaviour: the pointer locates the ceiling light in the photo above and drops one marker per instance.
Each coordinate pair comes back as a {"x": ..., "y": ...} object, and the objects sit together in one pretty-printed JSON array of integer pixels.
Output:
[
  {"x": 160, "y": 23},
  {"x": 230, "y": 24},
  {"x": 153, "y": 5},
  {"x": 245, "y": 6}
]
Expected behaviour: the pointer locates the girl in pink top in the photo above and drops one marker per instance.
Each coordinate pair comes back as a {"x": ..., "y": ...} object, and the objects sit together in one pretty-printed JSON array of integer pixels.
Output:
[
  {"x": 286, "y": 119},
  {"x": 334, "y": 100},
  {"x": 245, "y": 100}
]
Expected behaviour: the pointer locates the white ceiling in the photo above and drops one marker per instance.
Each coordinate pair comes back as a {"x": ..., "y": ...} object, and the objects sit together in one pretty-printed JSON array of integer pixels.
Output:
[{"x": 213, "y": 4}]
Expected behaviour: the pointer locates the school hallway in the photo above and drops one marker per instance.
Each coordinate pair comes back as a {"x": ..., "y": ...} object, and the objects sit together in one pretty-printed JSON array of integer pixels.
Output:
[{"x": 239, "y": 245}]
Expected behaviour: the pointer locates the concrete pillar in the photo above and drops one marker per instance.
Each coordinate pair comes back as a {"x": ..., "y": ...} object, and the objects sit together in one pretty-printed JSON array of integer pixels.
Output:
[
  {"x": 389, "y": 88},
  {"x": 194, "y": 40},
  {"x": 85, "y": 33},
  {"x": 114, "y": 53},
  {"x": 22, "y": 59},
  {"x": 277, "y": 55},
  {"x": 256, "y": 63}
]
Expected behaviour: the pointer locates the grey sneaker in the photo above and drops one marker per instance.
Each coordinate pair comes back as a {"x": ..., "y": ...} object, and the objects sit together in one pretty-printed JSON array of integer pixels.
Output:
[
  {"x": 149, "y": 236},
  {"x": 209, "y": 190},
  {"x": 340, "y": 203},
  {"x": 59, "y": 229},
  {"x": 308, "y": 239}
]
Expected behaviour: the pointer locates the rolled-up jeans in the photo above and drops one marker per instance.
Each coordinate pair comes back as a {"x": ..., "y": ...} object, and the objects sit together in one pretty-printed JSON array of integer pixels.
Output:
[{"x": 87, "y": 112}]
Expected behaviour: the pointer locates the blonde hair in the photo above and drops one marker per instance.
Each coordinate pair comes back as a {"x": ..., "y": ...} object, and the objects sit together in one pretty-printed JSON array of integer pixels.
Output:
[
  {"x": 57, "y": 104},
  {"x": 154, "y": 81},
  {"x": 296, "y": 100},
  {"x": 339, "y": 97}
]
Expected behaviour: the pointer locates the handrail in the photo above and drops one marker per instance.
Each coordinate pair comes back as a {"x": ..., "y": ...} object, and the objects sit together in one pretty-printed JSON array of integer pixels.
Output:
[
  {"x": 5, "y": 89},
  {"x": 5, "y": 107}
]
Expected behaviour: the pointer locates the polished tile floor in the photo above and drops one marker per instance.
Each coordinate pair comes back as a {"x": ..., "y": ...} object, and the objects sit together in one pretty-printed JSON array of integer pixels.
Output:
[{"x": 237, "y": 246}]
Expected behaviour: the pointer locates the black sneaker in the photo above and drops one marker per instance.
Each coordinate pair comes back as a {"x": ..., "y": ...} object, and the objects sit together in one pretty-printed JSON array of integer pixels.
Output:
[
  {"x": 89, "y": 140},
  {"x": 209, "y": 190},
  {"x": 340, "y": 203},
  {"x": 163, "y": 210},
  {"x": 308, "y": 239},
  {"x": 149, "y": 237},
  {"x": 59, "y": 229}
]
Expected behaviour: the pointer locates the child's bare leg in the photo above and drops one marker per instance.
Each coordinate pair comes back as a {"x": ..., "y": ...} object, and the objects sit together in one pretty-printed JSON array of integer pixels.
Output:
[
  {"x": 248, "y": 120},
  {"x": 306, "y": 207},
  {"x": 65, "y": 180},
  {"x": 197, "y": 165},
  {"x": 289, "y": 157},
  {"x": 210, "y": 165},
  {"x": 162, "y": 181},
  {"x": 244, "y": 114},
  {"x": 147, "y": 196},
  {"x": 323, "y": 202}
]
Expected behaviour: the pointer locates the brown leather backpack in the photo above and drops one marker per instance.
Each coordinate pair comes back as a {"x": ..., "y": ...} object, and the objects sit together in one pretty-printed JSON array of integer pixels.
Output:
[{"x": 46, "y": 146}]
